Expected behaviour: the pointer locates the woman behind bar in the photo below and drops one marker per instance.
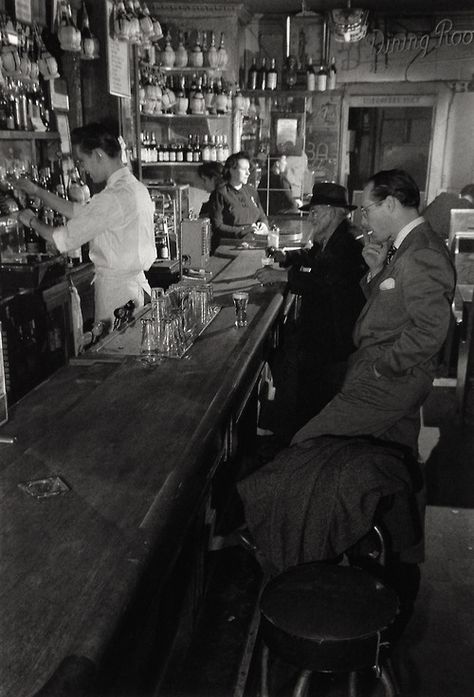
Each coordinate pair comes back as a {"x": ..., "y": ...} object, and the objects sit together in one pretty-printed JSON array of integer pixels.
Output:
[
  {"x": 117, "y": 222},
  {"x": 235, "y": 207},
  {"x": 309, "y": 368}
]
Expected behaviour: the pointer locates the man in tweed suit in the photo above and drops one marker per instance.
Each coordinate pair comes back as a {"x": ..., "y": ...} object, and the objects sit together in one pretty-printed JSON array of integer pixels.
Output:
[{"x": 403, "y": 325}]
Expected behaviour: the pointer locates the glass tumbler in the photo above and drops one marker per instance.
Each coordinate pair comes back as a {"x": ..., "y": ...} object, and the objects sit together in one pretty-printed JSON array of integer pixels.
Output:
[
  {"x": 148, "y": 346},
  {"x": 240, "y": 299}
]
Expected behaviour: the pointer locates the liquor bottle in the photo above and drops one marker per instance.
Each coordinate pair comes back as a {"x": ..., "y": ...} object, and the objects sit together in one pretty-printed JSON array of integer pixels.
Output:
[
  {"x": 220, "y": 150},
  {"x": 332, "y": 80},
  {"x": 291, "y": 74},
  {"x": 272, "y": 76},
  {"x": 212, "y": 57},
  {"x": 213, "y": 149},
  {"x": 181, "y": 56},
  {"x": 3, "y": 109},
  {"x": 222, "y": 56},
  {"x": 222, "y": 101},
  {"x": 189, "y": 149},
  {"x": 135, "y": 35},
  {"x": 197, "y": 103},
  {"x": 179, "y": 153},
  {"x": 33, "y": 241},
  {"x": 172, "y": 152},
  {"x": 196, "y": 149},
  {"x": 193, "y": 87},
  {"x": 209, "y": 98},
  {"x": 225, "y": 147},
  {"x": 153, "y": 148},
  {"x": 321, "y": 79},
  {"x": 162, "y": 250},
  {"x": 252, "y": 76},
  {"x": 196, "y": 57},
  {"x": 206, "y": 150},
  {"x": 262, "y": 75},
  {"x": 144, "y": 147},
  {"x": 310, "y": 76}
]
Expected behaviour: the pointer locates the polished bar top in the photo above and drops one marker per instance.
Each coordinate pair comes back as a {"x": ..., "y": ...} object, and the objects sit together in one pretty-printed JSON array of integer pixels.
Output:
[{"x": 133, "y": 445}]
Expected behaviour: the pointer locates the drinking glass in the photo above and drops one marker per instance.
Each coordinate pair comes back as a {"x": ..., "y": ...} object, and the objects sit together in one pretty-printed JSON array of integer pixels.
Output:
[
  {"x": 148, "y": 346},
  {"x": 240, "y": 299}
]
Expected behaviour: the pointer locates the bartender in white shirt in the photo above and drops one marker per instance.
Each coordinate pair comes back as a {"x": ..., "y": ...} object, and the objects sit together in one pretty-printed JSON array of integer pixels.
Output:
[{"x": 117, "y": 222}]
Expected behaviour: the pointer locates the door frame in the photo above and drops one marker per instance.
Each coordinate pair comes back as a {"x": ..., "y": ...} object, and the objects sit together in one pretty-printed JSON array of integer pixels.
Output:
[{"x": 393, "y": 95}]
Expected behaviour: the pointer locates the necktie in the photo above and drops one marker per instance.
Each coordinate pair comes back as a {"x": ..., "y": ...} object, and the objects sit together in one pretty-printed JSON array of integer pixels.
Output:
[{"x": 390, "y": 254}]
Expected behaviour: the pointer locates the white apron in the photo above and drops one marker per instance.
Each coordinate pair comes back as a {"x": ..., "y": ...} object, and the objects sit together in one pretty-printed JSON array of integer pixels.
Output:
[{"x": 112, "y": 290}]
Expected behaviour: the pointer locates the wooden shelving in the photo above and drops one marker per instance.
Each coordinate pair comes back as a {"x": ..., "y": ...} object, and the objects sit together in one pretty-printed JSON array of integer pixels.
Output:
[
  {"x": 186, "y": 117},
  {"x": 29, "y": 135}
]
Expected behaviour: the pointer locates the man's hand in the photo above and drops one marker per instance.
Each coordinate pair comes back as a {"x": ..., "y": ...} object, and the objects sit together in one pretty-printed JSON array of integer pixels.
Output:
[
  {"x": 374, "y": 254},
  {"x": 26, "y": 185},
  {"x": 279, "y": 255},
  {"x": 261, "y": 228},
  {"x": 267, "y": 276},
  {"x": 26, "y": 216}
]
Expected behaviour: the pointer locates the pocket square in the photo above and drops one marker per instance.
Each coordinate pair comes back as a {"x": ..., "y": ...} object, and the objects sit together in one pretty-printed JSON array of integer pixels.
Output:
[{"x": 388, "y": 284}]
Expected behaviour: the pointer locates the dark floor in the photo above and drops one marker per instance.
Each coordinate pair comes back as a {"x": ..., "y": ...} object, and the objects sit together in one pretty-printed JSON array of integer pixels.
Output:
[{"x": 435, "y": 658}]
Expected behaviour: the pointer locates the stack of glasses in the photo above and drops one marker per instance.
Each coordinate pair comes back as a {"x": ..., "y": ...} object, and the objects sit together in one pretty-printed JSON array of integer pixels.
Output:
[{"x": 178, "y": 316}]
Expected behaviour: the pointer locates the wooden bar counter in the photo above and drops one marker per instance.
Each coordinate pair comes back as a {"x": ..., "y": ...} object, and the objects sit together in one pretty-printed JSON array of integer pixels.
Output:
[{"x": 84, "y": 573}]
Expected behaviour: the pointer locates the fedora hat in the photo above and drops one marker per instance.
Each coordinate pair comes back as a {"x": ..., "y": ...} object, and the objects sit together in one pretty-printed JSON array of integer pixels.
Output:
[{"x": 328, "y": 194}]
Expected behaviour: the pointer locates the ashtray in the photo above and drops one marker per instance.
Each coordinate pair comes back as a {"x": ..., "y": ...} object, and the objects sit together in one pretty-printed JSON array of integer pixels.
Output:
[{"x": 44, "y": 488}]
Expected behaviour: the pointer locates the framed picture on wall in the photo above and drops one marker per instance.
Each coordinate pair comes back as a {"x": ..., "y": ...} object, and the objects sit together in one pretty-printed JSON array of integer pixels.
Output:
[
  {"x": 287, "y": 134},
  {"x": 62, "y": 126}
]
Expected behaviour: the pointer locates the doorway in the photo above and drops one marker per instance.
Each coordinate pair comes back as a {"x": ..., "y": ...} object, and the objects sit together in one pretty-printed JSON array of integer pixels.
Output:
[{"x": 387, "y": 138}]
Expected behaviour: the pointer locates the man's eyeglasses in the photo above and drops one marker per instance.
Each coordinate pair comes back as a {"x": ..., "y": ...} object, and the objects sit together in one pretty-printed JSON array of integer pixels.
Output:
[{"x": 364, "y": 209}]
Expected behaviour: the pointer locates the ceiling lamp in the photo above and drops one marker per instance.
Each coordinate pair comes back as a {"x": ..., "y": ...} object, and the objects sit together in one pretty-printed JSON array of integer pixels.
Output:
[{"x": 349, "y": 25}]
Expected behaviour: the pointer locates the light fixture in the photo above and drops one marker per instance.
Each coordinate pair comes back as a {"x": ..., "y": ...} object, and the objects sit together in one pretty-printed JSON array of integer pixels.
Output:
[{"x": 349, "y": 24}]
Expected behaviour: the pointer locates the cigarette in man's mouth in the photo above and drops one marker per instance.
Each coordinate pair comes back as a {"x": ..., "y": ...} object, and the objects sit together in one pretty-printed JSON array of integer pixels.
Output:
[{"x": 359, "y": 237}]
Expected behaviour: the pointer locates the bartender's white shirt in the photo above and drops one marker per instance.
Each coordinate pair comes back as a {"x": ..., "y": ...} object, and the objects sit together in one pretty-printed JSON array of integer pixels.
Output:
[{"x": 117, "y": 223}]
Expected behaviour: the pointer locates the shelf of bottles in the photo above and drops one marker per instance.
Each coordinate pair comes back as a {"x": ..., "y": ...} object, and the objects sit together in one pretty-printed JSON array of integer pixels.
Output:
[
  {"x": 263, "y": 77},
  {"x": 25, "y": 68},
  {"x": 180, "y": 94},
  {"x": 197, "y": 149}
]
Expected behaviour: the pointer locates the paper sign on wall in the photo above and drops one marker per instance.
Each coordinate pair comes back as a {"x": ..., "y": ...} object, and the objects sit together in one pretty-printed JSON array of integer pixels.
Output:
[
  {"x": 118, "y": 66},
  {"x": 23, "y": 11}
]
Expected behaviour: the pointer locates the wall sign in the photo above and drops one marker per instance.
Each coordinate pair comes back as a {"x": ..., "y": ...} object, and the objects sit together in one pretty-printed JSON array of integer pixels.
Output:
[
  {"x": 388, "y": 100},
  {"x": 118, "y": 65},
  {"x": 442, "y": 35},
  {"x": 23, "y": 11}
]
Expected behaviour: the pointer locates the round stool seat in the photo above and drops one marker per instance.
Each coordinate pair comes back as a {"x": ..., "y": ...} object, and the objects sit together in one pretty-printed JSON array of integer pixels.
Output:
[{"x": 326, "y": 618}]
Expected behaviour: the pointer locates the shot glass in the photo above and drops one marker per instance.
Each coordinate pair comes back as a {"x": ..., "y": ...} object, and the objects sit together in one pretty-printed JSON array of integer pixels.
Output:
[
  {"x": 266, "y": 261},
  {"x": 240, "y": 299}
]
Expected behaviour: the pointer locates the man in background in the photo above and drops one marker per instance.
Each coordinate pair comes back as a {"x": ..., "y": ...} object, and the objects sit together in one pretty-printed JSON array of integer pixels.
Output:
[{"x": 438, "y": 212}]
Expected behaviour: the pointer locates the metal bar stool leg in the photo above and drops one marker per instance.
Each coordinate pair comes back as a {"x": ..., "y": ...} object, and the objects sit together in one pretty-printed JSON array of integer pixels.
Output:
[
  {"x": 386, "y": 681},
  {"x": 264, "y": 672},
  {"x": 352, "y": 684},
  {"x": 302, "y": 683}
]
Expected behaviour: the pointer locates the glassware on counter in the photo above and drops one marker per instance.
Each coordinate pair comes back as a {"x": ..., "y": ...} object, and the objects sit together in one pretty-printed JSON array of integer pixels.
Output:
[
  {"x": 149, "y": 344},
  {"x": 240, "y": 299}
]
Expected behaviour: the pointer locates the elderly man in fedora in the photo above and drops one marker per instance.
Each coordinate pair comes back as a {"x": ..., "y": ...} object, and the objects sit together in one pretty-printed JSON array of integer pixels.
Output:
[{"x": 309, "y": 368}]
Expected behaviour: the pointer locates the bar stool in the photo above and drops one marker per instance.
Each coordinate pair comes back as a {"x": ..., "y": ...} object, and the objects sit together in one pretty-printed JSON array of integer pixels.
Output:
[{"x": 326, "y": 618}]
